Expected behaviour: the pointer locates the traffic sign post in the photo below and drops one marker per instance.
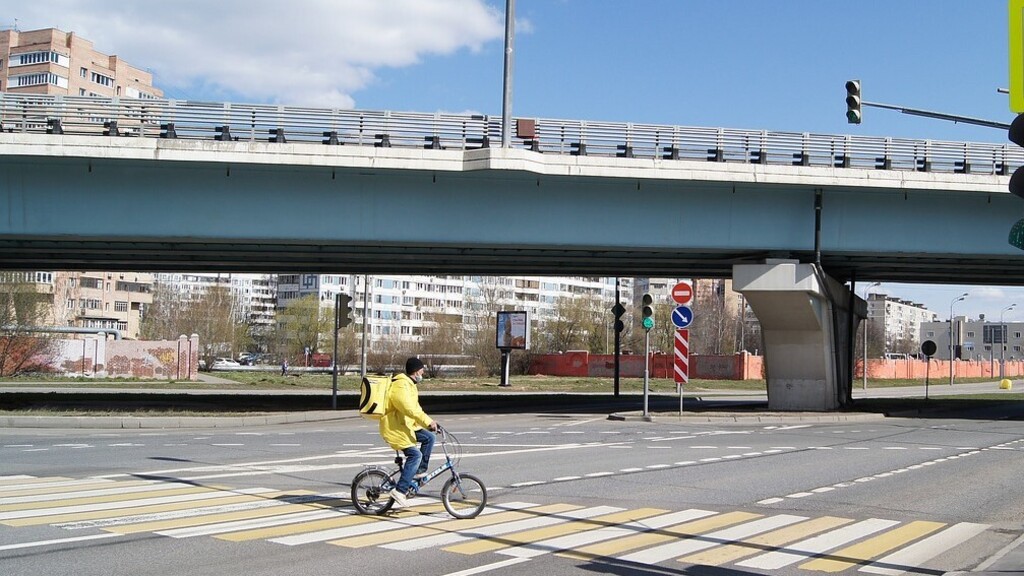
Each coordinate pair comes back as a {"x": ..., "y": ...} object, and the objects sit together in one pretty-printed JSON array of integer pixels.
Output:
[{"x": 682, "y": 362}]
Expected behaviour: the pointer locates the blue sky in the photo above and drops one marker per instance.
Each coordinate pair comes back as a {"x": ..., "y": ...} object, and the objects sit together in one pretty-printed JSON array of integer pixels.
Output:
[{"x": 778, "y": 65}]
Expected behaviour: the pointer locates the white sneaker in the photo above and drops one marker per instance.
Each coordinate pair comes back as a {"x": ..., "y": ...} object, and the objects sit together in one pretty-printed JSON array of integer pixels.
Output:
[
  {"x": 419, "y": 476},
  {"x": 399, "y": 498}
]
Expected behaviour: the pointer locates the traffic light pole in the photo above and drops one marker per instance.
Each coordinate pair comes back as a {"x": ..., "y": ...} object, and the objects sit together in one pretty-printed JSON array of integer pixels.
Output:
[
  {"x": 334, "y": 375},
  {"x": 618, "y": 342},
  {"x": 647, "y": 370},
  {"x": 939, "y": 115}
]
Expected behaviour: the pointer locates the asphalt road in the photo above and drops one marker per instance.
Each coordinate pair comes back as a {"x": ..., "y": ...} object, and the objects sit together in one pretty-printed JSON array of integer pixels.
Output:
[{"x": 569, "y": 494}]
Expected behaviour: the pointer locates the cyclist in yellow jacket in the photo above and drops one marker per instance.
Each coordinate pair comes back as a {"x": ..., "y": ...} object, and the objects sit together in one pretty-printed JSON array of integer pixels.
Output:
[{"x": 407, "y": 428}]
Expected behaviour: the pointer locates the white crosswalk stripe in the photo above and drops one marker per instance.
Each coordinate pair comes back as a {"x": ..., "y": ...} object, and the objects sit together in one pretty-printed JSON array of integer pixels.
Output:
[
  {"x": 817, "y": 545},
  {"x": 704, "y": 541}
]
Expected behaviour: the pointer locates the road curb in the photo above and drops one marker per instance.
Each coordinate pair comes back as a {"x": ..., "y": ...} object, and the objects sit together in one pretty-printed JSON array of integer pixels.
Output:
[
  {"x": 139, "y": 422},
  {"x": 744, "y": 418}
]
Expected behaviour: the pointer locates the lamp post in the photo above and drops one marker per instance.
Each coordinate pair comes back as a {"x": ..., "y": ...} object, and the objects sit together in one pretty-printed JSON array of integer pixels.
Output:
[
  {"x": 1002, "y": 340},
  {"x": 955, "y": 300},
  {"x": 864, "y": 361}
]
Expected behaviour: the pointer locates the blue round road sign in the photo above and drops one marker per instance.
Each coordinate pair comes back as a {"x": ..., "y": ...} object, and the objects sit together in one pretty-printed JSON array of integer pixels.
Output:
[{"x": 682, "y": 316}]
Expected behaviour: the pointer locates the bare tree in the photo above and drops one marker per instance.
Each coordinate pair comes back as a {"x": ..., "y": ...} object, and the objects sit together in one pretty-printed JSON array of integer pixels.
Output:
[
  {"x": 480, "y": 329},
  {"x": 443, "y": 342},
  {"x": 22, "y": 308},
  {"x": 578, "y": 325},
  {"x": 301, "y": 325}
]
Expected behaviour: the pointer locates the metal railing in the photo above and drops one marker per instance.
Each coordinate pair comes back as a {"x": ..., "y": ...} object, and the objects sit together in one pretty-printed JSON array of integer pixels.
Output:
[{"x": 185, "y": 119}]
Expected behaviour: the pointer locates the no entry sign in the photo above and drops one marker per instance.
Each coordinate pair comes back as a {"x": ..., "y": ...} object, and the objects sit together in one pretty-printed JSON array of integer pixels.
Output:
[{"x": 682, "y": 293}]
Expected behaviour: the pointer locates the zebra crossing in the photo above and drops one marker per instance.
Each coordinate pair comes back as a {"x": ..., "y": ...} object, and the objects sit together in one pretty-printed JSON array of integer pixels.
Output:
[{"x": 741, "y": 539}]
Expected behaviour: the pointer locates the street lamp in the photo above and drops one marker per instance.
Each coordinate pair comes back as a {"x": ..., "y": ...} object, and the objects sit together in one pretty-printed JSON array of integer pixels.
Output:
[
  {"x": 864, "y": 362},
  {"x": 1002, "y": 339},
  {"x": 955, "y": 300}
]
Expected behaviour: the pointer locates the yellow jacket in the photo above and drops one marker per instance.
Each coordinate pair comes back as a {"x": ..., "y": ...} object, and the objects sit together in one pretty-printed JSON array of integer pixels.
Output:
[{"x": 404, "y": 416}]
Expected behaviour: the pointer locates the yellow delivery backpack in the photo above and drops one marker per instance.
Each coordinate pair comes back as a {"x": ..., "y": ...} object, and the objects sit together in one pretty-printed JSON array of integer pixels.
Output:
[{"x": 373, "y": 396}]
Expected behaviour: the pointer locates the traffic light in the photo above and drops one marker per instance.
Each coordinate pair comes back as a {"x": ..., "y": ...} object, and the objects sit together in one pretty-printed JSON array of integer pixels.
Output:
[
  {"x": 342, "y": 310},
  {"x": 1016, "y": 135},
  {"x": 647, "y": 311},
  {"x": 618, "y": 310},
  {"x": 853, "y": 114}
]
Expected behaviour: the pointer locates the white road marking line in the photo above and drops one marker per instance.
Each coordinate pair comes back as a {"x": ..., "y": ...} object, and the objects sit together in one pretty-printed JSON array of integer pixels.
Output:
[
  {"x": 179, "y": 514},
  {"x": 489, "y": 567},
  {"x": 151, "y": 486},
  {"x": 686, "y": 546},
  {"x": 770, "y": 500},
  {"x": 220, "y": 528},
  {"x": 565, "y": 478},
  {"x": 56, "y": 542},
  {"x": 817, "y": 545}
]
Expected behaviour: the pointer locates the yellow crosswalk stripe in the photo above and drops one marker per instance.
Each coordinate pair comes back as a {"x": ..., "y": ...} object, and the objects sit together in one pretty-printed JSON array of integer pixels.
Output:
[
  {"x": 450, "y": 526},
  {"x": 659, "y": 536},
  {"x": 146, "y": 509},
  {"x": 105, "y": 498},
  {"x": 215, "y": 518},
  {"x": 71, "y": 488},
  {"x": 538, "y": 534},
  {"x": 20, "y": 481},
  {"x": 325, "y": 524},
  {"x": 872, "y": 548},
  {"x": 764, "y": 542}
]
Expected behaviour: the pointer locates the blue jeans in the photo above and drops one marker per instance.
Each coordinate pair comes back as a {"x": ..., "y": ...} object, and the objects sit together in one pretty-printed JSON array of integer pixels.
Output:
[{"x": 416, "y": 460}]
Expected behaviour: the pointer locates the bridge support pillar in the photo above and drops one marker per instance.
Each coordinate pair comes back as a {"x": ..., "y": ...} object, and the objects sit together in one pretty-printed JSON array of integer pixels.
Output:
[{"x": 805, "y": 321}]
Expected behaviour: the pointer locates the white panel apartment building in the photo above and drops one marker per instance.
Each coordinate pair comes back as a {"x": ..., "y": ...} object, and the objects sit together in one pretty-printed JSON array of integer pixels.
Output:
[
  {"x": 402, "y": 305},
  {"x": 902, "y": 319},
  {"x": 254, "y": 295}
]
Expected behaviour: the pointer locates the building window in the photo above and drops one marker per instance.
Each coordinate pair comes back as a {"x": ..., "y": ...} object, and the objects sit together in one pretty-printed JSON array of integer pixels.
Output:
[
  {"x": 38, "y": 79},
  {"x": 81, "y": 91},
  {"x": 101, "y": 79},
  {"x": 120, "y": 306},
  {"x": 39, "y": 57},
  {"x": 84, "y": 73}
]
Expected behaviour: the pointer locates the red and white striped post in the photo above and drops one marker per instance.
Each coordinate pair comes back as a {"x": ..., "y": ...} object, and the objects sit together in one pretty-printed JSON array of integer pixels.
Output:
[{"x": 682, "y": 362}]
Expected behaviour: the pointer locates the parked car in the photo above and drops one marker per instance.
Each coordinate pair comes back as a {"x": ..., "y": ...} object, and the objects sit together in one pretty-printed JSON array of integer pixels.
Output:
[{"x": 224, "y": 364}]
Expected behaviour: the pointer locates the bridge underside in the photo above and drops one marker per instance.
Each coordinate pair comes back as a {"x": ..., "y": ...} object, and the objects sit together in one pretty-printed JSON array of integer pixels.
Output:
[
  {"x": 267, "y": 256},
  {"x": 71, "y": 204}
]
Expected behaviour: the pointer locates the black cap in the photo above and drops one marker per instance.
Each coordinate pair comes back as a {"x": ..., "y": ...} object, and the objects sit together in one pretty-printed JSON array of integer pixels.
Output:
[{"x": 413, "y": 364}]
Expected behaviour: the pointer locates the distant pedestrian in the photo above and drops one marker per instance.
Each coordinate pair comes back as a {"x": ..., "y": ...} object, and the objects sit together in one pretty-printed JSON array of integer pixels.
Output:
[{"x": 284, "y": 367}]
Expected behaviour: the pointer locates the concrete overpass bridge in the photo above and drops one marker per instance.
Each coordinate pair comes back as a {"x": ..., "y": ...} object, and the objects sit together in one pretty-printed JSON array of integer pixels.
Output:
[{"x": 798, "y": 219}]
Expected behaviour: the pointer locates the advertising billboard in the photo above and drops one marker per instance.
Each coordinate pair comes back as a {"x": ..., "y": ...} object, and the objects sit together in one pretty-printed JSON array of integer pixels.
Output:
[{"x": 513, "y": 331}]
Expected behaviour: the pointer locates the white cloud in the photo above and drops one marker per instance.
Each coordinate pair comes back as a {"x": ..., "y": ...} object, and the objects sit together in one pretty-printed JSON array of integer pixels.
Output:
[{"x": 306, "y": 52}]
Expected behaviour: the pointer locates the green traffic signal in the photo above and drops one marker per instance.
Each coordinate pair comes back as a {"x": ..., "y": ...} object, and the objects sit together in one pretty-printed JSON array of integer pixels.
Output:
[{"x": 647, "y": 311}]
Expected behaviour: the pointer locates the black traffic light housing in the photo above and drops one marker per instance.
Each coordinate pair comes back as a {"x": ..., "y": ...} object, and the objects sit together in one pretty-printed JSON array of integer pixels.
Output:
[
  {"x": 1016, "y": 187},
  {"x": 618, "y": 310},
  {"x": 647, "y": 311},
  {"x": 853, "y": 112},
  {"x": 343, "y": 313}
]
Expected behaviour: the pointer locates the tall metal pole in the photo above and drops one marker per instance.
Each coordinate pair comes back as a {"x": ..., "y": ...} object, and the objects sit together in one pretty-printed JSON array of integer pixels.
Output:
[
  {"x": 366, "y": 321},
  {"x": 506, "y": 100},
  {"x": 334, "y": 375},
  {"x": 955, "y": 300},
  {"x": 647, "y": 371},
  {"x": 618, "y": 342},
  {"x": 1002, "y": 341}
]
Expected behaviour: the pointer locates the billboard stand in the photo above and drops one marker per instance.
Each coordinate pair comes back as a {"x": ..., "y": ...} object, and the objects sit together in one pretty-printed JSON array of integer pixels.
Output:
[
  {"x": 512, "y": 333},
  {"x": 505, "y": 362}
]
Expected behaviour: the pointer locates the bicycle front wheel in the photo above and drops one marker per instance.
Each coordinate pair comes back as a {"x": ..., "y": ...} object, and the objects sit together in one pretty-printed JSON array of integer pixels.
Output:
[
  {"x": 464, "y": 496},
  {"x": 370, "y": 490}
]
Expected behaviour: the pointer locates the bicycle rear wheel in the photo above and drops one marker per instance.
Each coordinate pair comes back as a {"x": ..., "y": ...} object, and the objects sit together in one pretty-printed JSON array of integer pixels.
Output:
[
  {"x": 464, "y": 496},
  {"x": 370, "y": 492}
]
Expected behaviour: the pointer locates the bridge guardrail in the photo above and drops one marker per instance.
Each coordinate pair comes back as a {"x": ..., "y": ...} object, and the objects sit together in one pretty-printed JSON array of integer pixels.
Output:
[{"x": 186, "y": 119}]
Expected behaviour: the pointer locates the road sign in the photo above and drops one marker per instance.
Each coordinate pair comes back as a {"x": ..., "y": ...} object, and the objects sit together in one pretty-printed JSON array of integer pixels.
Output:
[
  {"x": 682, "y": 357},
  {"x": 1016, "y": 56},
  {"x": 682, "y": 293},
  {"x": 682, "y": 316},
  {"x": 928, "y": 348}
]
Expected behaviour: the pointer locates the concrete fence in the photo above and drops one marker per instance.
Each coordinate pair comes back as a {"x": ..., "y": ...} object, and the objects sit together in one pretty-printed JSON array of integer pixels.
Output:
[
  {"x": 914, "y": 369},
  {"x": 703, "y": 367},
  {"x": 156, "y": 359}
]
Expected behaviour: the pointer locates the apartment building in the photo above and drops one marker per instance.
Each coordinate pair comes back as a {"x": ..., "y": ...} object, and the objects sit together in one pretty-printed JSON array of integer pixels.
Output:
[
  {"x": 975, "y": 339},
  {"x": 51, "y": 61},
  {"x": 254, "y": 296},
  {"x": 902, "y": 319}
]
